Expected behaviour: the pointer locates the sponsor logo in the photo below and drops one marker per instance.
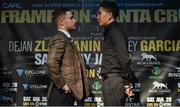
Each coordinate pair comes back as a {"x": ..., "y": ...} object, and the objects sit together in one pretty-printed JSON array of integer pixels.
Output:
[
  {"x": 159, "y": 88},
  {"x": 34, "y": 87},
  {"x": 156, "y": 73},
  {"x": 97, "y": 85},
  {"x": 25, "y": 86},
  {"x": 96, "y": 88},
  {"x": 158, "y": 85},
  {"x": 35, "y": 72},
  {"x": 19, "y": 72},
  {"x": 148, "y": 59},
  {"x": 175, "y": 75},
  {"x": 30, "y": 72}
]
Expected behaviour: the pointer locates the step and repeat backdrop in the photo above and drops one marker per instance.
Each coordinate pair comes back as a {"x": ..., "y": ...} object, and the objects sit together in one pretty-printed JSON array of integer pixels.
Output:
[{"x": 153, "y": 31}]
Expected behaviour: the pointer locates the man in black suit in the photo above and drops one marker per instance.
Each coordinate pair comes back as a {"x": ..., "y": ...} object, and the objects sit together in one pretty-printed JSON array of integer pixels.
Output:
[{"x": 115, "y": 62}]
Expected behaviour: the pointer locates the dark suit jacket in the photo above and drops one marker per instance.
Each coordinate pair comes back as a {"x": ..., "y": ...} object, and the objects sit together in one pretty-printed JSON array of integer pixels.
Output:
[
  {"x": 115, "y": 53},
  {"x": 66, "y": 66}
]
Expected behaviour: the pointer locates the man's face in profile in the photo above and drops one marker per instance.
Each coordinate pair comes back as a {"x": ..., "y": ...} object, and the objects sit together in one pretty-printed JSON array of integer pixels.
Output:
[
  {"x": 103, "y": 17},
  {"x": 68, "y": 21}
]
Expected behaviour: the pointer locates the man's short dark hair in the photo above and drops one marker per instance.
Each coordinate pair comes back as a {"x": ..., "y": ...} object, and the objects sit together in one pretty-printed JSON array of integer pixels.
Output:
[
  {"x": 59, "y": 12},
  {"x": 110, "y": 7}
]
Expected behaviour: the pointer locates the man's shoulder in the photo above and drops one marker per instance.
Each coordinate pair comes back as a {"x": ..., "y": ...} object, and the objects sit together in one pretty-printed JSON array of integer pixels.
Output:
[
  {"x": 58, "y": 37},
  {"x": 117, "y": 31},
  {"x": 59, "y": 34}
]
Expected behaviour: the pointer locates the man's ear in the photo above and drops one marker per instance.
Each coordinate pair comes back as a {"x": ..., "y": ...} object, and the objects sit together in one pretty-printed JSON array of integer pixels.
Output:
[
  {"x": 110, "y": 16},
  {"x": 60, "y": 21}
]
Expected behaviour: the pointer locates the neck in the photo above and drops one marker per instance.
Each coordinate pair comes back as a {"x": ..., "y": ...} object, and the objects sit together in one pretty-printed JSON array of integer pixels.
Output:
[
  {"x": 112, "y": 20},
  {"x": 62, "y": 28}
]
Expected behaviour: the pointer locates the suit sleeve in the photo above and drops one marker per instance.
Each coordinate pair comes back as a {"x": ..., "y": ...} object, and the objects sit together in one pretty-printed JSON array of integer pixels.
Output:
[
  {"x": 54, "y": 60},
  {"x": 120, "y": 46}
]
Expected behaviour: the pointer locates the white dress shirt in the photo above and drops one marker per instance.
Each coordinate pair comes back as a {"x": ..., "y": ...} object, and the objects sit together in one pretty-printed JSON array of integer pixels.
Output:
[{"x": 65, "y": 32}]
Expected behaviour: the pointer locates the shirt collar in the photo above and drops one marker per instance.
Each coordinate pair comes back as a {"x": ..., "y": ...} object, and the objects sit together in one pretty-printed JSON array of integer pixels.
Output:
[
  {"x": 110, "y": 25},
  {"x": 65, "y": 32}
]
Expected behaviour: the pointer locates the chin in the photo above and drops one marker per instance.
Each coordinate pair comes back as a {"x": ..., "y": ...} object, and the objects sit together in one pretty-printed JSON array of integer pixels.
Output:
[
  {"x": 101, "y": 25},
  {"x": 72, "y": 29}
]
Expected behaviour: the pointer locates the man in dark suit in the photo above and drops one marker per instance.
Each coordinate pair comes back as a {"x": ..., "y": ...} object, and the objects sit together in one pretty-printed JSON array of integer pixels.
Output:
[
  {"x": 115, "y": 62},
  {"x": 65, "y": 65}
]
